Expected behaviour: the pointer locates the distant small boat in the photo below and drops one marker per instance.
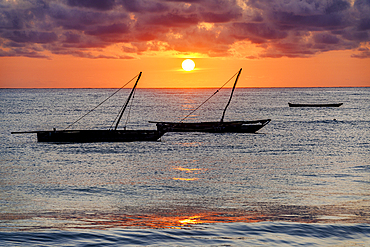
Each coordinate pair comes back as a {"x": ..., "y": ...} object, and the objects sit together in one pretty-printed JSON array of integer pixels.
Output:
[
  {"x": 315, "y": 105},
  {"x": 215, "y": 127},
  {"x": 110, "y": 135}
]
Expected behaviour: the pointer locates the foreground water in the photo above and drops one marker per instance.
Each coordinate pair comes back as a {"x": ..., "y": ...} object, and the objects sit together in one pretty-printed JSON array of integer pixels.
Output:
[{"x": 302, "y": 180}]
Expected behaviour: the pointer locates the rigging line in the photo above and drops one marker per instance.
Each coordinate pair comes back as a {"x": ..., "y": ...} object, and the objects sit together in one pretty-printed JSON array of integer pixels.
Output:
[
  {"x": 99, "y": 104},
  {"x": 231, "y": 95},
  {"x": 115, "y": 119},
  {"x": 208, "y": 98},
  {"x": 129, "y": 109},
  {"x": 119, "y": 113},
  {"x": 127, "y": 101},
  {"x": 119, "y": 116}
]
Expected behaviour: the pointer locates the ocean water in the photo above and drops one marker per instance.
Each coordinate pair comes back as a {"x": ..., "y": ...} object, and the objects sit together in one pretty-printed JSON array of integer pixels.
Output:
[{"x": 302, "y": 180}]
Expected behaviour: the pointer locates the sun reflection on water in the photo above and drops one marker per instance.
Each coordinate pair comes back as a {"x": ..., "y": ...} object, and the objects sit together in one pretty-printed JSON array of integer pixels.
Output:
[
  {"x": 188, "y": 170},
  {"x": 185, "y": 179},
  {"x": 190, "y": 220},
  {"x": 179, "y": 217}
]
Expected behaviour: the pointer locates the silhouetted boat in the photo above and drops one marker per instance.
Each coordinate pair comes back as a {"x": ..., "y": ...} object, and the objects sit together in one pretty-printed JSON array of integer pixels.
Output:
[
  {"x": 110, "y": 135},
  {"x": 215, "y": 127},
  {"x": 315, "y": 105}
]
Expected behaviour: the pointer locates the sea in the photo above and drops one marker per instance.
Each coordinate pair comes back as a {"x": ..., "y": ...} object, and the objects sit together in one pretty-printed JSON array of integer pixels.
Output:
[{"x": 302, "y": 180}]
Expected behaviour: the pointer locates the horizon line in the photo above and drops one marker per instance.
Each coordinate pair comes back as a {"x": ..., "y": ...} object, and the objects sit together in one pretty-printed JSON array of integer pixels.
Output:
[{"x": 177, "y": 87}]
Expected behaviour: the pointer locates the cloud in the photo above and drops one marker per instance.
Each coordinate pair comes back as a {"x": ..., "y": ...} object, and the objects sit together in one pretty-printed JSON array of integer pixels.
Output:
[
  {"x": 88, "y": 28},
  {"x": 144, "y": 6},
  {"x": 364, "y": 52},
  {"x": 31, "y": 36},
  {"x": 94, "y": 4}
]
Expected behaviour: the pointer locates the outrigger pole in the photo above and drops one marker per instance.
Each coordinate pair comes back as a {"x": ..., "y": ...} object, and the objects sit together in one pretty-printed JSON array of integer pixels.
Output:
[
  {"x": 127, "y": 101},
  {"x": 228, "y": 103}
]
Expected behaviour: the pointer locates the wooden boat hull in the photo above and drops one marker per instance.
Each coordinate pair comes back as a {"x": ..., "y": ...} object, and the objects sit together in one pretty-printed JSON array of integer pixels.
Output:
[
  {"x": 213, "y": 127},
  {"x": 315, "y": 105},
  {"x": 80, "y": 136}
]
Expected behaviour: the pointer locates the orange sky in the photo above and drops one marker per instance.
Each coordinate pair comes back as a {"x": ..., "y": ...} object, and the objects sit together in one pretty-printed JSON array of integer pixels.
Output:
[
  {"x": 332, "y": 69},
  {"x": 103, "y": 44}
]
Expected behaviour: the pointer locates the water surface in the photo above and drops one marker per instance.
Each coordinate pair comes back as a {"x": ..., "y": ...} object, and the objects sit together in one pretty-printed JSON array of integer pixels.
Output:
[{"x": 301, "y": 180}]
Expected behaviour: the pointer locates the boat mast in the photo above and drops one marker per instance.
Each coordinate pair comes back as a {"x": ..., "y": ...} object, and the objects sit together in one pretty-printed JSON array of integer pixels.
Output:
[
  {"x": 232, "y": 92},
  {"x": 128, "y": 99}
]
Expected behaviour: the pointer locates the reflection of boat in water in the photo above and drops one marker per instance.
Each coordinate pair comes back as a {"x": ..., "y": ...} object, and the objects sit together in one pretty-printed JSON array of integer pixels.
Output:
[
  {"x": 110, "y": 135},
  {"x": 315, "y": 105},
  {"x": 216, "y": 127}
]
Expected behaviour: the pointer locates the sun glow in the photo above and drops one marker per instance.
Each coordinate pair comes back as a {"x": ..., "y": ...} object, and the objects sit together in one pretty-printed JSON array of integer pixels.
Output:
[{"x": 188, "y": 65}]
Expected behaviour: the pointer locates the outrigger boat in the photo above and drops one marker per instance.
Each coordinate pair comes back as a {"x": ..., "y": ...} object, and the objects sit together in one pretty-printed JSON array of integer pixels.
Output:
[
  {"x": 214, "y": 127},
  {"x": 110, "y": 135},
  {"x": 315, "y": 105}
]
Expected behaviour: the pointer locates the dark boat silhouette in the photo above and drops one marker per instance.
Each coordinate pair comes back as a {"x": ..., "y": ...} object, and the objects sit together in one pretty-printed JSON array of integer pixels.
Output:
[
  {"x": 214, "y": 127},
  {"x": 110, "y": 135},
  {"x": 315, "y": 105}
]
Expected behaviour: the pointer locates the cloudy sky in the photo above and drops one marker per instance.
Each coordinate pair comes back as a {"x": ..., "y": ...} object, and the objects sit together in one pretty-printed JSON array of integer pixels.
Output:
[{"x": 99, "y": 41}]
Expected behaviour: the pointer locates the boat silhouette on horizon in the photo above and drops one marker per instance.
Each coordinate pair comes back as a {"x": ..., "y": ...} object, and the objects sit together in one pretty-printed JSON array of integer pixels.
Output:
[
  {"x": 110, "y": 135},
  {"x": 217, "y": 126}
]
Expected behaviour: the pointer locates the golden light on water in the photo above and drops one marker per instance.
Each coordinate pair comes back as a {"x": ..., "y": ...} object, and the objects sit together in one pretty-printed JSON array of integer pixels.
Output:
[
  {"x": 185, "y": 179},
  {"x": 187, "y": 170},
  {"x": 190, "y": 220},
  {"x": 180, "y": 217}
]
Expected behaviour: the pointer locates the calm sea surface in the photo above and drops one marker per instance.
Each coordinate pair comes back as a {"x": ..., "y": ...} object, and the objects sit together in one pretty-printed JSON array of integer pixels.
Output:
[{"x": 304, "y": 179}]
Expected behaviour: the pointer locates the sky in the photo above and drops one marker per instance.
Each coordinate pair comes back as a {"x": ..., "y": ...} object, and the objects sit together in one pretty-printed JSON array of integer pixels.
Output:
[{"x": 103, "y": 44}]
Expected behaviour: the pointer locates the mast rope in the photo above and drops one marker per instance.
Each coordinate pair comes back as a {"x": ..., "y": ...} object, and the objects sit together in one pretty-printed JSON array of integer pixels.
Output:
[
  {"x": 125, "y": 105},
  {"x": 129, "y": 110},
  {"x": 119, "y": 113},
  {"x": 100, "y": 103},
  {"x": 208, "y": 98}
]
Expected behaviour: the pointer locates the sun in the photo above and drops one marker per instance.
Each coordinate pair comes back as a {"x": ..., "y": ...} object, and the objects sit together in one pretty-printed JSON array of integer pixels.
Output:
[{"x": 188, "y": 65}]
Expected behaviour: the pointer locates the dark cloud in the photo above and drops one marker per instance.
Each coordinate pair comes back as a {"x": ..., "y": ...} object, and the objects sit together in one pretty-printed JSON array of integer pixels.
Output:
[
  {"x": 144, "y": 6},
  {"x": 310, "y": 22},
  {"x": 72, "y": 37},
  {"x": 258, "y": 32},
  {"x": 325, "y": 38},
  {"x": 220, "y": 11},
  {"x": 31, "y": 37},
  {"x": 84, "y": 28},
  {"x": 216, "y": 17},
  {"x": 364, "y": 24},
  {"x": 104, "y": 30},
  {"x": 94, "y": 4},
  {"x": 174, "y": 20},
  {"x": 337, "y": 6},
  {"x": 363, "y": 53}
]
